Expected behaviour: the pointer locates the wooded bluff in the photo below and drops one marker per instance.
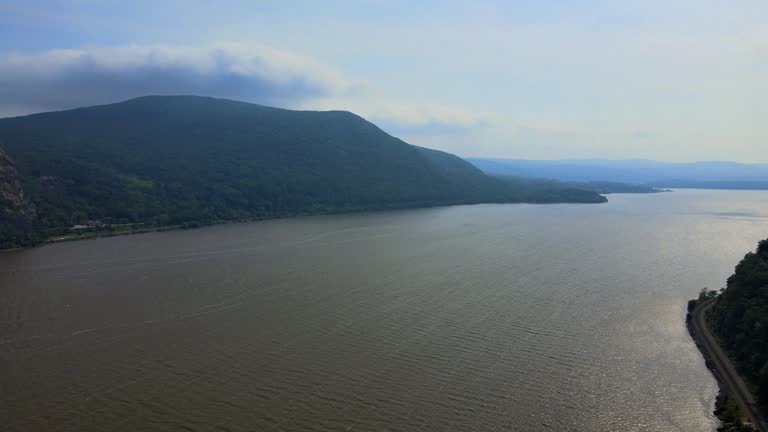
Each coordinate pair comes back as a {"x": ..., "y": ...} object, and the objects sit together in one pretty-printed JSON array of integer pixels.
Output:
[{"x": 175, "y": 160}]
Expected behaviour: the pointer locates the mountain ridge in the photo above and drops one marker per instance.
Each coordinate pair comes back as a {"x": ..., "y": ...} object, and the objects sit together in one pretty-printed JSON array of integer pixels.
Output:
[
  {"x": 702, "y": 174},
  {"x": 171, "y": 160}
]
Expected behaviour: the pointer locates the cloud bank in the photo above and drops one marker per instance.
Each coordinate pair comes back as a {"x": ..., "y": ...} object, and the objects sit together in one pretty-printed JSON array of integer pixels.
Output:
[{"x": 61, "y": 79}]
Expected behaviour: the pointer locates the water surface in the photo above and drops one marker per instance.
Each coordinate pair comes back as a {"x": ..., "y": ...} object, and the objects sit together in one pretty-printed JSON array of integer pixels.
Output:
[{"x": 485, "y": 317}]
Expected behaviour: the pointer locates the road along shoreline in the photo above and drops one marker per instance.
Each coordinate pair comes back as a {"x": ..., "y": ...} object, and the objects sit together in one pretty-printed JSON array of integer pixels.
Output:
[{"x": 730, "y": 383}]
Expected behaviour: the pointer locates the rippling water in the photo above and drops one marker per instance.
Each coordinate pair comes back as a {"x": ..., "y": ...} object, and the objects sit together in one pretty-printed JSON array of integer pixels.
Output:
[{"x": 486, "y": 317}]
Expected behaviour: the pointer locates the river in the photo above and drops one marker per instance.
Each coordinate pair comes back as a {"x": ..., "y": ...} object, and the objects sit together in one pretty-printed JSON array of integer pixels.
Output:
[{"x": 465, "y": 318}]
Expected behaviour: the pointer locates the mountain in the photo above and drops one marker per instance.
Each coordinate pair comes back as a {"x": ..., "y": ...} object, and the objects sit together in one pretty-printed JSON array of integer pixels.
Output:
[
  {"x": 699, "y": 175},
  {"x": 173, "y": 160},
  {"x": 740, "y": 319}
]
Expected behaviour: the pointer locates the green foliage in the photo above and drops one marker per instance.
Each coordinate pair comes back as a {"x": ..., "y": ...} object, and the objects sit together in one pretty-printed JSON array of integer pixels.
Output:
[
  {"x": 185, "y": 160},
  {"x": 692, "y": 305},
  {"x": 740, "y": 318},
  {"x": 15, "y": 230},
  {"x": 733, "y": 420},
  {"x": 606, "y": 187},
  {"x": 707, "y": 294},
  {"x": 548, "y": 191}
]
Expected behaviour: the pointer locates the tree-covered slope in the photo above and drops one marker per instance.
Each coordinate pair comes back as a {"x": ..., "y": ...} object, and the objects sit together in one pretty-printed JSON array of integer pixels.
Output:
[
  {"x": 178, "y": 159},
  {"x": 740, "y": 318}
]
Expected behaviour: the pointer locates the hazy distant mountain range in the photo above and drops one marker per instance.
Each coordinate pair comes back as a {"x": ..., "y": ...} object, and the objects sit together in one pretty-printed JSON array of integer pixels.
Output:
[
  {"x": 703, "y": 175},
  {"x": 176, "y": 160}
]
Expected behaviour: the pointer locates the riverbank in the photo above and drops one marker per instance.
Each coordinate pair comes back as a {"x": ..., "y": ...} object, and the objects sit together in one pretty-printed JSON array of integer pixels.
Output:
[
  {"x": 142, "y": 228},
  {"x": 733, "y": 408}
]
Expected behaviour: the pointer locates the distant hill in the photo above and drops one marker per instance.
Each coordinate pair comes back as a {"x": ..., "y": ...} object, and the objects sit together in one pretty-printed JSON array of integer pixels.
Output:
[
  {"x": 532, "y": 184},
  {"x": 173, "y": 160},
  {"x": 698, "y": 175}
]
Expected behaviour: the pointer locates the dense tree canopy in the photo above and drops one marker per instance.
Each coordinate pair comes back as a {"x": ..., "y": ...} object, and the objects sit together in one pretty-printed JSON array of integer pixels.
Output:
[
  {"x": 185, "y": 159},
  {"x": 740, "y": 317}
]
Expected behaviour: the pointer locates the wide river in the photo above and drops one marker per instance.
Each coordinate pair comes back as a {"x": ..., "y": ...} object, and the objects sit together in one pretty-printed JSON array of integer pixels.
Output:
[{"x": 467, "y": 318}]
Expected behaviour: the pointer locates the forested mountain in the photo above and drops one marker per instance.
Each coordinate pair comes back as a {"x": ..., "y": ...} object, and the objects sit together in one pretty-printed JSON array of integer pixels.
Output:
[
  {"x": 168, "y": 160},
  {"x": 740, "y": 318}
]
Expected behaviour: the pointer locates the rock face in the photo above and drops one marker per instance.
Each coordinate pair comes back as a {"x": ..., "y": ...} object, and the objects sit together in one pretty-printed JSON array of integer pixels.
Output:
[
  {"x": 11, "y": 192},
  {"x": 17, "y": 214}
]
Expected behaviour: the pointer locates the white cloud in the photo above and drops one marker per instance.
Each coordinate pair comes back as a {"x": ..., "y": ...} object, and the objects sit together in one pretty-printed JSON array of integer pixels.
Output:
[
  {"x": 406, "y": 114},
  {"x": 60, "y": 79}
]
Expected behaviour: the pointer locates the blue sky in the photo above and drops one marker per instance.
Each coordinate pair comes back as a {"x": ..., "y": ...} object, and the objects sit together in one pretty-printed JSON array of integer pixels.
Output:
[{"x": 675, "y": 80}]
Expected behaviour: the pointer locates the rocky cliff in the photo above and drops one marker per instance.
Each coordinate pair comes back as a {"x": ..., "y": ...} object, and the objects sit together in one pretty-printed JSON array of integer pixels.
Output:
[{"x": 17, "y": 213}]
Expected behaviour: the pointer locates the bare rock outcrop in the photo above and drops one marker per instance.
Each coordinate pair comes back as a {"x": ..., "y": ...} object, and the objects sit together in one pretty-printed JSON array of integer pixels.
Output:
[
  {"x": 11, "y": 192},
  {"x": 15, "y": 209}
]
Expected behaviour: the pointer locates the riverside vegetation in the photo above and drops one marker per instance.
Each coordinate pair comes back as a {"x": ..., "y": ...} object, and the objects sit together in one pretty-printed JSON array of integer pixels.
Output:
[{"x": 739, "y": 321}]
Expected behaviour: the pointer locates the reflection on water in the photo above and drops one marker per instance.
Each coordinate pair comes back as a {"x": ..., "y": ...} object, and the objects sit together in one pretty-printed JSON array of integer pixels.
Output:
[{"x": 487, "y": 317}]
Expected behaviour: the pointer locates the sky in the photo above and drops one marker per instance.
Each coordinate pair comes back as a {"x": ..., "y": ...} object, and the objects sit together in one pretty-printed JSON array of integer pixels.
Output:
[{"x": 672, "y": 80}]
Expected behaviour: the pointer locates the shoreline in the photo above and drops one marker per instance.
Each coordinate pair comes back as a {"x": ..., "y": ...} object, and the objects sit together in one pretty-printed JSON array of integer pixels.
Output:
[
  {"x": 721, "y": 395},
  {"x": 727, "y": 409},
  {"x": 106, "y": 232}
]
